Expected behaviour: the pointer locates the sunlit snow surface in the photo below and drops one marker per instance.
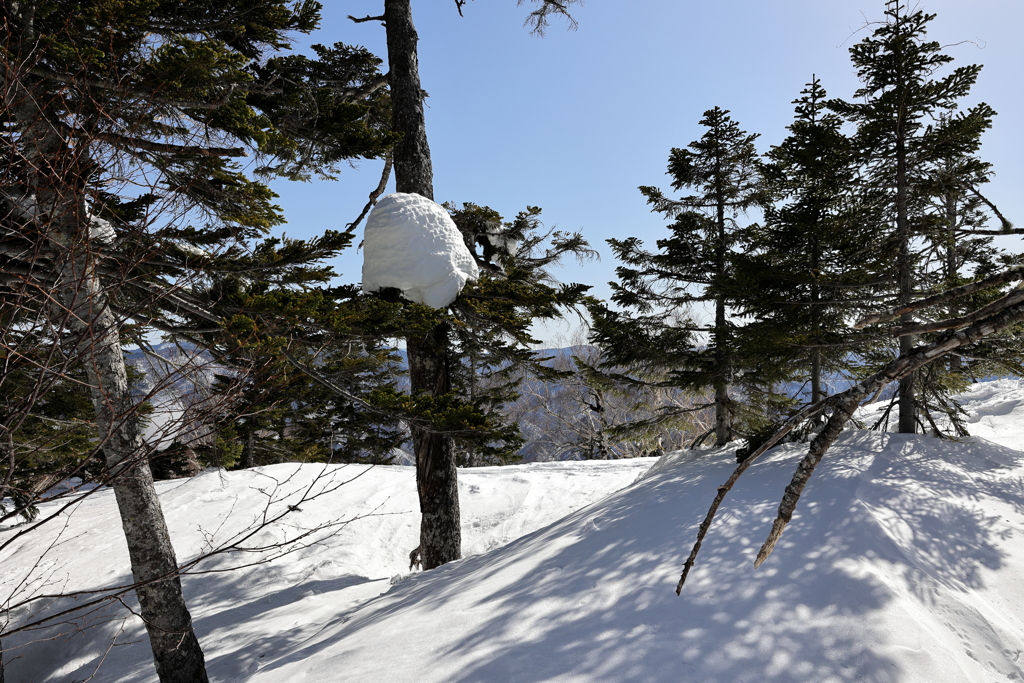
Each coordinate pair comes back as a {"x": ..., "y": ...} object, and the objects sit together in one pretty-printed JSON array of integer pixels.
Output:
[
  {"x": 412, "y": 244},
  {"x": 904, "y": 562}
]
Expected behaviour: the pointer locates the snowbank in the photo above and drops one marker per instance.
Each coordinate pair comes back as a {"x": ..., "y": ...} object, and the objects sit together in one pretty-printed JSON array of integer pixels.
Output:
[
  {"x": 412, "y": 244},
  {"x": 901, "y": 565}
]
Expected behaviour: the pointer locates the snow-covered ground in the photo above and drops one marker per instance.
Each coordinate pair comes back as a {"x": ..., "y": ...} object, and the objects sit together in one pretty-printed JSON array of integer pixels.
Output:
[{"x": 904, "y": 562}]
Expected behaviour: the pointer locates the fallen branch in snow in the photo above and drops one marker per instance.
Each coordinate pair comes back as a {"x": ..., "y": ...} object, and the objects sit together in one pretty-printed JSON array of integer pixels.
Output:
[{"x": 844, "y": 404}]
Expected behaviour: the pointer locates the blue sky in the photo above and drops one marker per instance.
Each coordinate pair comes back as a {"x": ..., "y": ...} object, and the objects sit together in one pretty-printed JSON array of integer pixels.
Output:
[{"x": 573, "y": 122}]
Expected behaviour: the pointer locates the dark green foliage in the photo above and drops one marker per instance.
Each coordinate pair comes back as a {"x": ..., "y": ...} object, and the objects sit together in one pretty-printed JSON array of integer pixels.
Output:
[
  {"x": 809, "y": 267},
  {"x": 903, "y": 130},
  {"x": 491, "y": 319},
  {"x": 664, "y": 291},
  {"x": 131, "y": 116},
  {"x": 48, "y": 420}
]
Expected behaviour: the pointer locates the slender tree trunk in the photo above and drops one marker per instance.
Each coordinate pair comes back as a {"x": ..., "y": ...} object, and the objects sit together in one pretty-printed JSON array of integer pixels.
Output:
[
  {"x": 723, "y": 359},
  {"x": 176, "y": 650},
  {"x": 723, "y": 409},
  {"x": 436, "y": 471},
  {"x": 908, "y": 399},
  {"x": 58, "y": 182},
  {"x": 249, "y": 451},
  {"x": 952, "y": 267},
  {"x": 56, "y": 177},
  {"x": 816, "y": 392}
]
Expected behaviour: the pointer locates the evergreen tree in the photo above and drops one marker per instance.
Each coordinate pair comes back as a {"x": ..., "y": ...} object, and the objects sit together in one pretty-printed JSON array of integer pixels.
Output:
[
  {"x": 896, "y": 111},
  {"x": 491, "y": 320},
  {"x": 806, "y": 270},
  {"x": 303, "y": 365},
  {"x": 691, "y": 268},
  {"x": 429, "y": 348},
  {"x": 120, "y": 126}
]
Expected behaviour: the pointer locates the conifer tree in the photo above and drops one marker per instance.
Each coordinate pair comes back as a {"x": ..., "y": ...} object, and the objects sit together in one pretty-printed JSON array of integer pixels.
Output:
[
  {"x": 491, "y": 319},
  {"x": 428, "y": 348},
  {"x": 804, "y": 271},
  {"x": 895, "y": 111},
  {"x": 120, "y": 193},
  {"x": 691, "y": 268}
]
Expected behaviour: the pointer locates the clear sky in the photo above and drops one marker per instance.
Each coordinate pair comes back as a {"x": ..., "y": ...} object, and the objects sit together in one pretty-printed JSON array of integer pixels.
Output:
[{"x": 573, "y": 122}]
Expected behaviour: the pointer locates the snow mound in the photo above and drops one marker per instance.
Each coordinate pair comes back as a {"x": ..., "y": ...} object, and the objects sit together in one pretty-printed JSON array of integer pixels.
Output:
[
  {"x": 412, "y": 244},
  {"x": 902, "y": 564}
]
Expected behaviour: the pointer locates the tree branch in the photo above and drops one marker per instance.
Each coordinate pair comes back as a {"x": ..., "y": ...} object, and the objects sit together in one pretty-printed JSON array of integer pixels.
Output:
[
  {"x": 1014, "y": 297},
  {"x": 376, "y": 193},
  {"x": 845, "y": 403},
  {"x": 1009, "y": 275},
  {"x": 125, "y": 142}
]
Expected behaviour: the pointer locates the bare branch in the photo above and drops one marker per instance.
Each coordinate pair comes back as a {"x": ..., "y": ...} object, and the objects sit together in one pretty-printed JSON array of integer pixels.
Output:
[
  {"x": 1014, "y": 297},
  {"x": 129, "y": 143},
  {"x": 1009, "y": 275},
  {"x": 845, "y": 404},
  {"x": 376, "y": 193}
]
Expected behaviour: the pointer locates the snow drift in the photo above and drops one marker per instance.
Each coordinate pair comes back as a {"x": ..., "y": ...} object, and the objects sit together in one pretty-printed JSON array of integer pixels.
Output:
[
  {"x": 412, "y": 244},
  {"x": 902, "y": 564}
]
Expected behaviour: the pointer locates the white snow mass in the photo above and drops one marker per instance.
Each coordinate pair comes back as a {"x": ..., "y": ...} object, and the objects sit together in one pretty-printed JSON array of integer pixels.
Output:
[
  {"x": 903, "y": 564},
  {"x": 412, "y": 244}
]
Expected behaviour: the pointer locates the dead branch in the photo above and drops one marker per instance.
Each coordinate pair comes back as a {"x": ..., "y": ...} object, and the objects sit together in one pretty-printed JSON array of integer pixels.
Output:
[
  {"x": 376, "y": 193},
  {"x": 845, "y": 404},
  {"x": 1008, "y": 275},
  {"x": 129, "y": 143},
  {"x": 1014, "y": 297}
]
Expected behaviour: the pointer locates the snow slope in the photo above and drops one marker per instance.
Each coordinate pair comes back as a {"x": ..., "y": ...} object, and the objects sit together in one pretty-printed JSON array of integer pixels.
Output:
[
  {"x": 266, "y": 608},
  {"x": 904, "y": 563}
]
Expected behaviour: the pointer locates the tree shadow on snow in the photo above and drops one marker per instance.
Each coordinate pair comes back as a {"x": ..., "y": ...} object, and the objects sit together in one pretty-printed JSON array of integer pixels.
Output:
[{"x": 591, "y": 598}]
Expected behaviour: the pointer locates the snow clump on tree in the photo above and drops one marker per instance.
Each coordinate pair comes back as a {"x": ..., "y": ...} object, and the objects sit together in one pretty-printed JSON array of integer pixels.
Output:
[{"x": 412, "y": 244}]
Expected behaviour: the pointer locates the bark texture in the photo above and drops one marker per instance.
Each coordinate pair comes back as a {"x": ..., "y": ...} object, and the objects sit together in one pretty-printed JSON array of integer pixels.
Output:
[
  {"x": 58, "y": 178},
  {"x": 176, "y": 650},
  {"x": 436, "y": 472}
]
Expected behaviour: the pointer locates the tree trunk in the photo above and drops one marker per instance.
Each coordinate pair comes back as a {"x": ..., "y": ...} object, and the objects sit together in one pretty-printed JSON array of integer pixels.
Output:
[
  {"x": 84, "y": 308},
  {"x": 176, "y": 650},
  {"x": 723, "y": 360},
  {"x": 723, "y": 408},
  {"x": 952, "y": 266},
  {"x": 907, "y": 398},
  {"x": 436, "y": 471},
  {"x": 816, "y": 391},
  {"x": 249, "y": 451}
]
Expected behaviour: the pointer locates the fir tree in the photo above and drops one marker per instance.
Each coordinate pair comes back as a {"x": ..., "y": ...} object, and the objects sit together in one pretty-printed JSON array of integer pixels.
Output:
[
  {"x": 692, "y": 267},
  {"x": 120, "y": 193},
  {"x": 896, "y": 111},
  {"x": 492, "y": 318},
  {"x": 805, "y": 271},
  {"x": 429, "y": 348}
]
